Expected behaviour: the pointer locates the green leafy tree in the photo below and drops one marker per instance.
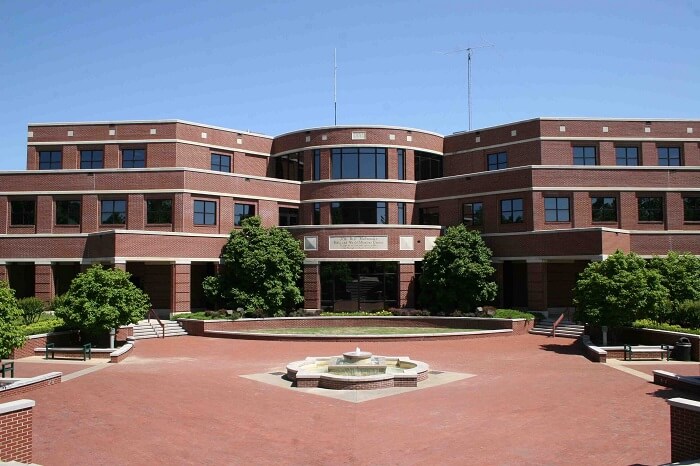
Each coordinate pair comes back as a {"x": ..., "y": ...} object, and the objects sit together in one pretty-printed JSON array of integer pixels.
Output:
[
  {"x": 457, "y": 272},
  {"x": 11, "y": 335},
  {"x": 32, "y": 308},
  {"x": 260, "y": 270},
  {"x": 100, "y": 299},
  {"x": 617, "y": 291},
  {"x": 680, "y": 274}
]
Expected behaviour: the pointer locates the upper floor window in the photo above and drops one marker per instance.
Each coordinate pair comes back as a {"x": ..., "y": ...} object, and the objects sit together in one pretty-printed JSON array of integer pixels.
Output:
[
  {"x": 691, "y": 209},
  {"x": 113, "y": 212},
  {"x": 358, "y": 213},
  {"x": 650, "y": 209},
  {"x": 91, "y": 159},
  {"x": 585, "y": 155},
  {"x": 669, "y": 156},
  {"x": 358, "y": 162},
  {"x": 290, "y": 166},
  {"x": 221, "y": 163},
  {"x": 497, "y": 161},
  {"x": 429, "y": 216},
  {"x": 512, "y": 211},
  {"x": 401, "y": 211},
  {"x": 626, "y": 156},
  {"x": 50, "y": 160},
  {"x": 473, "y": 213},
  {"x": 316, "y": 220},
  {"x": 288, "y": 216},
  {"x": 556, "y": 209},
  {"x": 159, "y": 211},
  {"x": 401, "y": 164},
  {"x": 317, "y": 164},
  {"x": 427, "y": 165},
  {"x": 133, "y": 158},
  {"x": 23, "y": 212},
  {"x": 604, "y": 209},
  {"x": 68, "y": 212},
  {"x": 205, "y": 212},
  {"x": 242, "y": 212}
]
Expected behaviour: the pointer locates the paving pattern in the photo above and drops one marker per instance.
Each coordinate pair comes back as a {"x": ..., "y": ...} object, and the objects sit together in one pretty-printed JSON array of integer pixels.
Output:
[{"x": 533, "y": 400}]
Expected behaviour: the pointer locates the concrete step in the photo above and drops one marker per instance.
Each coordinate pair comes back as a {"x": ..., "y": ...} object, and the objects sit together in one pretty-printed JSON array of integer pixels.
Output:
[
  {"x": 145, "y": 330},
  {"x": 559, "y": 334}
]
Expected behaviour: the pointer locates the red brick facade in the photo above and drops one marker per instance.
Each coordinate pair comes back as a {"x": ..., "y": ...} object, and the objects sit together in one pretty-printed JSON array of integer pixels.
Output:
[{"x": 16, "y": 431}]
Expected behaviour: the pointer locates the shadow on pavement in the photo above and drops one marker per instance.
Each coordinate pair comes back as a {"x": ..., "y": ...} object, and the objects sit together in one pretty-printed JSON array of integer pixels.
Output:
[{"x": 572, "y": 348}]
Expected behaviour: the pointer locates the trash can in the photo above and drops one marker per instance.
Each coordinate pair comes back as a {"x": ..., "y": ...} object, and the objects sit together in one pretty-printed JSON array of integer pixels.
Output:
[{"x": 682, "y": 349}]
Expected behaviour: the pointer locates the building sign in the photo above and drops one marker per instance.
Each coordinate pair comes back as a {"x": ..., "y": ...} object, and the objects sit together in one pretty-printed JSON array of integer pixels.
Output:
[{"x": 358, "y": 243}]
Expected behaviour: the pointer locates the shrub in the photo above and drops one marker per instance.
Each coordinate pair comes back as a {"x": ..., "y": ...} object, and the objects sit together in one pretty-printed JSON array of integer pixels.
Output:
[
  {"x": 408, "y": 312},
  {"x": 382, "y": 313},
  {"x": 32, "y": 309},
  {"x": 686, "y": 315},
  {"x": 648, "y": 323},
  {"x": 512, "y": 314},
  {"x": 11, "y": 335},
  {"x": 43, "y": 326}
]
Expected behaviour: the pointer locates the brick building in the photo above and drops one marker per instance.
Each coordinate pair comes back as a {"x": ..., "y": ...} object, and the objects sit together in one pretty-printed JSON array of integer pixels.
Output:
[{"x": 158, "y": 199}]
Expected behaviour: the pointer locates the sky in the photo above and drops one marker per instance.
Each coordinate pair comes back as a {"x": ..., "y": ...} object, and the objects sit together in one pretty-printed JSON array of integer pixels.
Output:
[{"x": 267, "y": 66}]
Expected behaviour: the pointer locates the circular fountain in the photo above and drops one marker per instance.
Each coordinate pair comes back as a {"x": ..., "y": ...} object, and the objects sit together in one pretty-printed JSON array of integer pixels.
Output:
[{"x": 357, "y": 370}]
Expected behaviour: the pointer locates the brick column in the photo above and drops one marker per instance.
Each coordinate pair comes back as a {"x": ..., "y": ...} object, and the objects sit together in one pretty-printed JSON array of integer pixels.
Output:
[
  {"x": 685, "y": 429},
  {"x": 44, "y": 214},
  {"x": 136, "y": 212},
  {"x": 312, "y": 286},
  {"x": 181, "y": 276},
  {"x": 16, "y": 431},
  {"x": 407, "y": 274},
  {"x": 537, "y": 285},
  {"x": 43, "y": 281},
  {"x": 606, "y": 153}
]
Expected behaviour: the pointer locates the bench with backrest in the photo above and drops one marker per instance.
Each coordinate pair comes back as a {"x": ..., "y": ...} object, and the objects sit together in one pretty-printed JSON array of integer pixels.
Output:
[
  {"x": 85, "y": 350},
  {"x": 7, "y": 366},
  {"x": 647, "y": 352}
]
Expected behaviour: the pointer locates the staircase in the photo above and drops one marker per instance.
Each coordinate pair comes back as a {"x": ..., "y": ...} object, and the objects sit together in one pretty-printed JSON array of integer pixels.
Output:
[
  {"x": 145, "y": 329},
  {"x": 565, "y": 328}
]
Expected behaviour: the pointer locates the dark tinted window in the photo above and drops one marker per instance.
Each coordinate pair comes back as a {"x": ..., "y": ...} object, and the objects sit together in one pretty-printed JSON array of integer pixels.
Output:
[
  {"x": 512, "y": 211},
  {"x": 67, "y": 212},
  {"x": 159, "y": 211},
  {"x": 585, "y": 155},
  {"x": 604, "y": 209},
  {"x": 133, "y": 158},
  {"x": 113, "y": 212},
  {"x": 358, "y": 162},
  {"x": 221, "y": 163},
  {"x": 427, "y": 166},
  {"x": 90, "y": 159},
  {"x": 50, "y": 160},
  {"x": 242, "y": 212},
  {"x": 650, "y": 209},
  {"x": 204, "y": 212},
  {"x": 23, "y": 212}
]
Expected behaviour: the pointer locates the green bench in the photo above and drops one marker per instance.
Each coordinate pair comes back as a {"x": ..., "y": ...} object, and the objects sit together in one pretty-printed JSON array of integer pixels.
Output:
[
  {"x": 7, "y": 366},
  {"x": 86, "y": 349}
]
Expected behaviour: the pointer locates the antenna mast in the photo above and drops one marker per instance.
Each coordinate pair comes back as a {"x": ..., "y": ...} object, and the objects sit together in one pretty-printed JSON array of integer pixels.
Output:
[{"x": 335, "y": 89}]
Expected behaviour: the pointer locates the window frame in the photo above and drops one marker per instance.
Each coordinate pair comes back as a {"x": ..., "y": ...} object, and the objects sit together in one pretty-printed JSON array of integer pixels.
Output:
[
  {"x": 20, "y": 218},
  {"x": 204, "y": 204},
  {"x": 342, "y": 162},
  {"x": 400, "y": 164},
  {"x": 695, "y": 209},
  {"x": 51, "y": 162},
  {"x": 316, "y": 165},
  {"x": 476, "y": 215},
  {"x": 58, "y": 206},
  {"x": 602, "y": 209},
  {"x": 433, "y": 162},
  {"x": 625, "y": 157},
  {"x": 497, "y": 161},
  {"x": 512, "y": 218},
  {"x": 584, "y": 157},
  {"x": 113, "y": 211},
  {"x": 216, "y": 163},
  {"x": 316, "y": 214},
  {"x": 238, "y": 217},
  {"x": 401, "y": 213},
  {"x": 294, "y": 164},
  {"x": 289, "y": 214},
  {"x": 158, "y": 212},
  {"x": 93, "y": 162},
  {"x": 650, "y": 209},
  {"x": 668, "y": 158},
  {"x": 340, "y": 211},
  {"x": 133, "y": 160},
  {"x": 561, "y": 214},
  {"x": 429, "y": 215}
]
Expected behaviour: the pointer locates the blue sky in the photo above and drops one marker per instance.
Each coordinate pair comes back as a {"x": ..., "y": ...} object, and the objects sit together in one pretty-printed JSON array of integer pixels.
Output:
[{"x": 267, "y": 66}]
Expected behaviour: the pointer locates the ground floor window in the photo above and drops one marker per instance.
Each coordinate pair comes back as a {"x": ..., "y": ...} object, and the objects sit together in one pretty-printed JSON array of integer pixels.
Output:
[{"x": 359, "y": 286}]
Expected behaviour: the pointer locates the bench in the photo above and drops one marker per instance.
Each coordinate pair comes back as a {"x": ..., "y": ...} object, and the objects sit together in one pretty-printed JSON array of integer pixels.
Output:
[
  {"x": 86, "y": 349},
  {"x": 7, "y": 366},
  {"x": 662, "y": 350}
]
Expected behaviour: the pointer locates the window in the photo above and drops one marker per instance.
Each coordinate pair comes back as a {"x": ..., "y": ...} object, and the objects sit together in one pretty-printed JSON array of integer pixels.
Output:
[
  {"x": 221, "y": 163},
  {"x": 50, "y": 160},
  {"x": 427, "y": 165},
  {"x": 159, "y": 211},
  {"x": 91, "y": 159},
  {"x": 67, "y": 212},
  {"x": 133, "y": 158},
  {"x": 604, "y": 209},
  {"x": 242, "y": 212},
  {"x": 317, "y": 213},
  {"x": 429, "y": 216},
  {"x": 691, "y": 209},
  {"x": 473, "y": 213},
  {"x": 556, "y": 209},
  {"x": 205, "y": 212},
  {"x": 358, "y": 162},
  {"x": 497, "y": 161},
  {"x": 401, "y": 210},
  {"x": 626, "y": 156},
  {"x": 370, "y": 213},
  {"x": 512, "y": 211},
  {"x": 650, "y": 209},
  {"x": 317, "y": 164},
  {"x": 23, "y": 212},
  {"x": 585, "y": 155},
  {"x": 290, "y": 166},
  {"x": 113, "y": 212},
  {"x": 288, "y": 216},
  {"x": 669, "y": 156},
  {"x": 401, "y": 163}
]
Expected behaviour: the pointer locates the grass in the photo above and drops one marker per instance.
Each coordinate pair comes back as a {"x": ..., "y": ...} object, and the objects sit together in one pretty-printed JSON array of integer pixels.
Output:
[{"x": 360, "y": 330}]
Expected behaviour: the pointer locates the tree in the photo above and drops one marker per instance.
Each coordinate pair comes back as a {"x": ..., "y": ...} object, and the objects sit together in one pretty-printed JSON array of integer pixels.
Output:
[
  {"x": 100, "y": 299},
  {"x": 457, "y": 272},
  {"x": 11, "y": 335},
  {"x": 260, "y": 270},
  {"x": 680, "y": 274},
  {"x": 617, "y": 291}
]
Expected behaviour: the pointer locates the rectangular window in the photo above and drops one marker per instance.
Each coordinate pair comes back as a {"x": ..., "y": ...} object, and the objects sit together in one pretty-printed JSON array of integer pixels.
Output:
[
  {"x": 626, "y": 156},
  {"x": 290, "y": 166},
  {"x": 669, "y": 156},
  {"x": 288, "y": 216},
  {"x": 691, "y": 209},
  {"x": 427, "y": 166},
  {"x": 512, "y": 211},
  {"x": 221, "y": 163},
  {"x": 556, "y": 209},
  {"x": 23, "y": 212},
  {"x": 133, "y": 158},
  {"x": 497, "y": 161},
  {"x": 401, "y": 211},
  {"x": 317, "y": 164},
  {"x": 650, "y": 209},
  {"x": 401, "y": 163},
  {"x": 585, "y": 155},
  {"x": 317, "y": 213},
  {"x": 67, "y": 212},
  {"x": 429, "y": 216},
  {"x": 604, "y": 209},
  {"x": 205, "y": 212},
  {"x": 473, "y": 214},
  {"x": 358, "y": 163},
  {"x": 242, "y": 212},
  {"x": 90, "y": 159},
  {"x": 50, "y": 160},
  {"x": 113, "y": 212},
  {"x": 350, "y": 213},
  {"x": 159, "y": 211}
]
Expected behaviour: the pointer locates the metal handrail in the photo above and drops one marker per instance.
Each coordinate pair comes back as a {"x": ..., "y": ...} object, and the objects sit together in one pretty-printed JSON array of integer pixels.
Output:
[
  {"x": 155, "y": 314},
  {"x": 556, "y": 323}
]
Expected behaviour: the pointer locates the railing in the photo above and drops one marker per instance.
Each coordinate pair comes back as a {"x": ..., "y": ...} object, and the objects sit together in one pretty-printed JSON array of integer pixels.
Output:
[
  {"x": 155, "y": 315},
  {"x": 556, "y": 324}
]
